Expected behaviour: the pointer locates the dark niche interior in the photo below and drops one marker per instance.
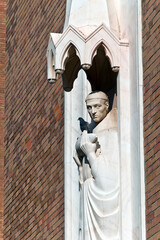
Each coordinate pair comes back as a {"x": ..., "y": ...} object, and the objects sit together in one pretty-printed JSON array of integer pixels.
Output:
[
  {"x": 72, "y": 67},
  {"x": 100, "y": 74}
]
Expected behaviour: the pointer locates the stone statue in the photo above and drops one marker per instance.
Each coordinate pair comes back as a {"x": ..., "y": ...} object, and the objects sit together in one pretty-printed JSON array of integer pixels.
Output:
[{"x": 97, "y": 156}]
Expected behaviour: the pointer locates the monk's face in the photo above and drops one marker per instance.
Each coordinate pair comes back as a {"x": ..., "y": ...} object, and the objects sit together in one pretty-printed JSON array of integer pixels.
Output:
[{"x": 97, "y": 109}]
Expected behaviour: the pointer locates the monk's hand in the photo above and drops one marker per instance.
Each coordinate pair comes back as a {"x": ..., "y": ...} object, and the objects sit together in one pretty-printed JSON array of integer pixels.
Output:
[
  {"x": 86, "y": 145},
  {"x": 77, "y": 159}
]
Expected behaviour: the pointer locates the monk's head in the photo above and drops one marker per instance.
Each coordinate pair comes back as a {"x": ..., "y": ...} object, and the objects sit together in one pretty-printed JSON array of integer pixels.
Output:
[{"x": 97, "y": 103}]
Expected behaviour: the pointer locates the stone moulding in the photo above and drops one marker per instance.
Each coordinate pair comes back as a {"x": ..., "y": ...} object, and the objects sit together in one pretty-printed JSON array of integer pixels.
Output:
[{"x": 85, "y": 46}]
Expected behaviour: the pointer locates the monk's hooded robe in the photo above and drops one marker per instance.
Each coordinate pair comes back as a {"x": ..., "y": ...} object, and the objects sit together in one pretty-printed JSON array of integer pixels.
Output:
[{"x": 99, "y": 201}]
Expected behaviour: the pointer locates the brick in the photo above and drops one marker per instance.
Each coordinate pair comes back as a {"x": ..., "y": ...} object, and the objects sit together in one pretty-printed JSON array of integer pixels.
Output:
[
  {"x": 2, "y": 109},
  {"x": 151, "y": 115},
  {"x": 34, "y": 170}
]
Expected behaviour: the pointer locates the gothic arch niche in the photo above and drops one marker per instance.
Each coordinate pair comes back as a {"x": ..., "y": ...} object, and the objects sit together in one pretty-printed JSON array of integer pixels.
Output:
[{"x": 98, "y": 76}]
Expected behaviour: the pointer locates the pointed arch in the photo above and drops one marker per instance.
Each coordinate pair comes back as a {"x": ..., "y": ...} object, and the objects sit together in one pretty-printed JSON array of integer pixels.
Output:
[
  {"x": 67, "y": 52},
  {"x": 106, "y": 50},
  {"x": 71, "y": 65}
]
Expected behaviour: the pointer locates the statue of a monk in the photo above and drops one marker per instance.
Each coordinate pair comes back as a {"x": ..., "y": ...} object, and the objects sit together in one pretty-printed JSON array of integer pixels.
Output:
[{"x": 97, "y": 155}]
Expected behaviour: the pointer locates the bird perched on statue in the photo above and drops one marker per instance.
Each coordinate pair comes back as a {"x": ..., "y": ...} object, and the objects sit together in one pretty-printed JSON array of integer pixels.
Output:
[{"x": 84, "y": 125}]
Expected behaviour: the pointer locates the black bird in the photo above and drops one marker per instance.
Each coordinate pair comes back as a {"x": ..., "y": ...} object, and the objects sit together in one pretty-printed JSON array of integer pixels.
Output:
[{"x": 84, "y": 125}]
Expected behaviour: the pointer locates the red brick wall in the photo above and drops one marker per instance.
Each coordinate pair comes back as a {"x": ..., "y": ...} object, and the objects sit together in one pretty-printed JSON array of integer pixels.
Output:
[
  {"x": 34, "y": 196},
  {"x": 2, "y": 103},
  {"x": 34, "y": 170},
  {"x": 151, "y": 54}
]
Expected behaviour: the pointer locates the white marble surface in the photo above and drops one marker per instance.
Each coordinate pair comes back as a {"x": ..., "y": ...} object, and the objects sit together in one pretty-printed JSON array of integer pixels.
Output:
[
  {"x": 88, "y": 13},
  {"x": 123, "y": 19},
  {"x": 130, "y": 15},
  {"x": 72, "y": 131}
]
